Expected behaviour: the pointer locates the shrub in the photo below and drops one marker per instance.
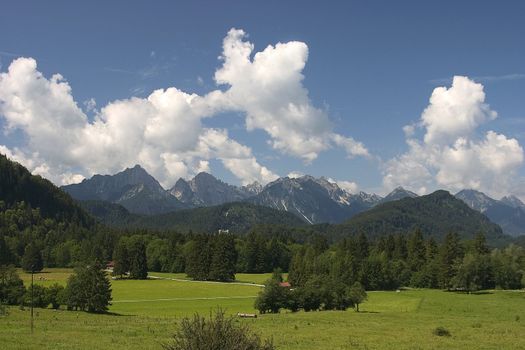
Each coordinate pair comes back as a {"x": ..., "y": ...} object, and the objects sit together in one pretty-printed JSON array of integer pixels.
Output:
[
  {"x": 218, "y": 332},
  {"x": 55, "y": 295},
  {"x": 40, "y": 298},
  {"x": 11, "y": 286},
  {"x": 441, "y": 332},
  {"x": 273, "y": 297}
]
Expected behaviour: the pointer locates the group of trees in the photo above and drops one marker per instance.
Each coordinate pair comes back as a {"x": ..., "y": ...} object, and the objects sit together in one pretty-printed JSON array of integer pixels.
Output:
[
  {"x": 130, "y": 257},
  {"x": 316, "y": 294},
  {"x": 211, "y": 257},
  {"x": 88, "y": 289},
  {"x": 33, "y": 241},
  {"x": 393, "y": 261}
]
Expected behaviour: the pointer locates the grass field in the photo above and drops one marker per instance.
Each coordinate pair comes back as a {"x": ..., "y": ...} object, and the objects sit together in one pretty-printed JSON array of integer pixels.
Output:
[{"x": 148, "y": 311}]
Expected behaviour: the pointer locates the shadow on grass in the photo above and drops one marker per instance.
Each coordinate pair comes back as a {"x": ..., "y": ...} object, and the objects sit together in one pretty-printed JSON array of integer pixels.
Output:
[
  {"x": 464, "y": 292},
  {"x": 115, "y": 314}
]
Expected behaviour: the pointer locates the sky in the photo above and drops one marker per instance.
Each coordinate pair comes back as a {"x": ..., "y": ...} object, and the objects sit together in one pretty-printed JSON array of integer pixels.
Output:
[{"x": 371, "y": 94}]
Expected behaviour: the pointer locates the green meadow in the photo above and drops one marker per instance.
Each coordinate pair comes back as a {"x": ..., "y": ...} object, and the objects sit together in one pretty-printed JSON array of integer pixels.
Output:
[{"x": 145, "y": 313}]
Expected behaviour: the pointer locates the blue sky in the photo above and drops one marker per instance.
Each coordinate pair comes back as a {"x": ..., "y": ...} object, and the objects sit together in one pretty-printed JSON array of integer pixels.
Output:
[{"x": 371, "y": 69}]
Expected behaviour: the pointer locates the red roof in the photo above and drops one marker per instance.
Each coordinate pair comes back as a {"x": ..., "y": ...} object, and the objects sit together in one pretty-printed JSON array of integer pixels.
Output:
[{"x": 285, "y": 284}]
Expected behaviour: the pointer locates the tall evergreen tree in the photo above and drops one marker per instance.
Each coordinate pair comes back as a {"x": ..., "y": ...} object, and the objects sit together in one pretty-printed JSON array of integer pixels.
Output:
[
  {"x": 198, "y": 258},
  {"x": 32, "y": 260},
  {"x": 400, "y": 251},
  {"x": 121, "y": 258},
  {"x": 416, "y": 250},
  {"x": 480, "y": 244},
  {"x": 223, "y": 259},
  {"x": 88, "y": 289},
  {"x": 450, "y": 252},
  {"x": 362, "y": 251},
  {"x": 138, "y": 263},
  {"x": 6, "y": 257}
]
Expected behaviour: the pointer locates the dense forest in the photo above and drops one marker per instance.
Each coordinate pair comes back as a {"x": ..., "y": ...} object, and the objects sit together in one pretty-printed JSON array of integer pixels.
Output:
[{"x": 237, "y": 217}]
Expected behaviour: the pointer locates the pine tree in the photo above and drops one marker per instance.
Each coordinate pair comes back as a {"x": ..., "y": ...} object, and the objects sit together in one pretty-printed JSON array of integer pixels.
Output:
[
  {"x": 198, "y": 258},
  {"x": 6, "y": 257},
  {"x": 480, "y": 244},
  {"x": 138, "y": 263},
  {"x": 416, "y": 250},
  {"x": 223, "y": 259},
  {"x": 450, "y": 252},
  {"x": 32, "y": 260},
  {"x": 121, "y": 258},
  {"x": 400, "y": 251},
  {"x": 362, "y": 247},
  {"x": 88, "y": 289}
]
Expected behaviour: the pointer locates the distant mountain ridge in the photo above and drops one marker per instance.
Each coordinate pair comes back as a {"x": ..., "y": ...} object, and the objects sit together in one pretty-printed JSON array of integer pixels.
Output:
[
  {"x": 133, "y": 188},
  {"x": 205, "y": 190},
  {"x": 509, "y": 212},
  {"x": 313, "y": 200}
]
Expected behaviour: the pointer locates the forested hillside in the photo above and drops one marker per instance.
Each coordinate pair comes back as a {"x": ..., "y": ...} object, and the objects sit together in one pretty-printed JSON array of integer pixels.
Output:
[
  {"x": 235, "y": 217},
  {"x": 435, "y": 214},
  {"x": 18, "y": 185}
]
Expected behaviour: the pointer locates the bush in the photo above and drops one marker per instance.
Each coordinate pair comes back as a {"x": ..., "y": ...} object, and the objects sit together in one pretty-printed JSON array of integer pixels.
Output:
[
  {"x": 441, "y": 332},
  {"x": 216, "y": 333},
  {"x": 273, "y": 297},
  {"x": 55, "y": 295},
  {"x": 11, "y": 286},
  {"x": 40, "y": 298}
]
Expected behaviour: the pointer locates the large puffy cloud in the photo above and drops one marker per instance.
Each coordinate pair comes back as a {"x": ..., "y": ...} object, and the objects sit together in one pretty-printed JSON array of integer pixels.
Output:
[
  {"x": 450, "y": 155},
  {"x": 268, "y": 88},
  {"x": 165, "y": 132},
  {"x": 456, "y": 111}
]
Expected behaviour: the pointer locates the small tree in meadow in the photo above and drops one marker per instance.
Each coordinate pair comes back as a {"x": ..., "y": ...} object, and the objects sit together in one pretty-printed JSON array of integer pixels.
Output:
[
  {"x": 357, "y": 295},
  {"x": 88, "y": 289},
  {"x": 273, "y": 297}
]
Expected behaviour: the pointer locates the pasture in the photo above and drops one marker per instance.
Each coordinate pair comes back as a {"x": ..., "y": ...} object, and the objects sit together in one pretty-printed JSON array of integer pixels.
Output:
[{"x": 145, "y": 313}]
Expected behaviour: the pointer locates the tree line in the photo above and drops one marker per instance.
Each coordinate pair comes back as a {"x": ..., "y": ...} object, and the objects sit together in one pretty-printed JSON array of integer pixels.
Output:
[
  {"x": 393, "y": 261},
  {"x": 31, "y": 241},
  {"x": 87, "y": 289}
]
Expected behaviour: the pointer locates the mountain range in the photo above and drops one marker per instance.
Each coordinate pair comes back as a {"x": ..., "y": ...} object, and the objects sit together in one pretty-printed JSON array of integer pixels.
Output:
[
  {"x": 133, "y": 188},
  {"x": 508, "y": 212},
  {"x": 313, "y": 200}
]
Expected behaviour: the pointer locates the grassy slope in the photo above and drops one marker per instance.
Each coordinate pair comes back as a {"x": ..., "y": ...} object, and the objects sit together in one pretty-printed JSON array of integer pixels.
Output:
[{"x": 389, "y": 320}]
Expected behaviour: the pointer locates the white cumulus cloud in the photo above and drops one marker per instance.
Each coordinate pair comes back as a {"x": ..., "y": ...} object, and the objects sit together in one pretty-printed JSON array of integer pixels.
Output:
[
  {"x": 450, "y": 155},
  {"x": 165, "y": 131}
]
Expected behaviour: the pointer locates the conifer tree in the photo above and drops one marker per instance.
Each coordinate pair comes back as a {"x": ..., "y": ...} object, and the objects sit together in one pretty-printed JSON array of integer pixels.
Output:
[
  {"x": 121, "y": 258},
  {"x": 138, "y": 263},
  {"x": 416, "y": 250},
  {"x": 450, "y": 252},
  {"x": 223, "y": 259},
  {"x": 32, "y": 260},
  {"x": 198, "y": 258},
  {"x": 88, "y": 289}
]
